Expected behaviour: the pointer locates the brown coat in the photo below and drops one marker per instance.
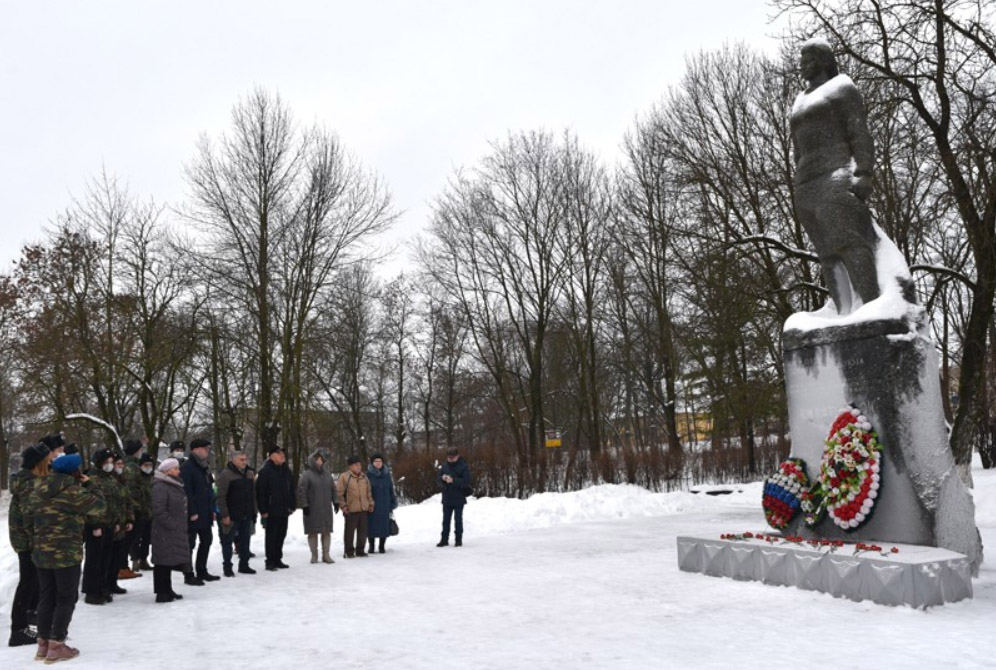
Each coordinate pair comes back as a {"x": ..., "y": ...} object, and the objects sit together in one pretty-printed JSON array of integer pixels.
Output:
[{"x": 354, "y": 492}]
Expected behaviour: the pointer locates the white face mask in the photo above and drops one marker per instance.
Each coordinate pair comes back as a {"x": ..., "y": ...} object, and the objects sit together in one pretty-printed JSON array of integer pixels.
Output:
[
  {"x": 118, "y": 471},
  {"x": 107, "y": 467},
  {"x": 177, "y": 455},
  {"x": 147, "y": 471}
]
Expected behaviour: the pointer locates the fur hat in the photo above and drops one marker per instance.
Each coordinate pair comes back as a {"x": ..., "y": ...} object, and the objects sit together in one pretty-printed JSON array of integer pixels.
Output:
[
  {"x": 375, "y": 456},
  {"x": 131, "y": 446},
  {"x": 168, "y": 465},
  {"x": 53, "y": 441},
  {"x": 34, "y": 455},
  {"x": 147, "y": 458},
  {"x": 71, "y": 448},
  {"x": 67, "y": 463},
  {"x": 199, "y": 443},
  {"x": 275, "y": 449},
  {"x": 452, "y": 451},
  {"x": 177, "y": 445},
  {"x": 352, "y": 459}
]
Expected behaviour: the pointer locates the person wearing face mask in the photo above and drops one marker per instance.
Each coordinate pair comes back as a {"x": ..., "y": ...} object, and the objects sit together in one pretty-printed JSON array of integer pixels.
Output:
[
  {"x": 124, "y": 524},
  {"x": 143, "y": 513},
  {"x": 138, "y": 495},
  {"x": 178, "y": 450},
  {"x": 98, "y": 532}
]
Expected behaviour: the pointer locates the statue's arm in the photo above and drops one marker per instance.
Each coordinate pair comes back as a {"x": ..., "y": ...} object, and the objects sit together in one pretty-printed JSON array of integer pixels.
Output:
[{"x": 858, "y": 137}]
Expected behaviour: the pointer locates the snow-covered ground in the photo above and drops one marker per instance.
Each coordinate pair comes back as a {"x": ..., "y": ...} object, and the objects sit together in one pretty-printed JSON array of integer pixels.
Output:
[{"x": 570, "y": 580}]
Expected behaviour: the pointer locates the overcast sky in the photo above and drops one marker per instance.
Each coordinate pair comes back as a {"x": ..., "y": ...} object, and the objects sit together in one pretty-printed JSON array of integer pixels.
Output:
[{"x": 415, "y": 89}]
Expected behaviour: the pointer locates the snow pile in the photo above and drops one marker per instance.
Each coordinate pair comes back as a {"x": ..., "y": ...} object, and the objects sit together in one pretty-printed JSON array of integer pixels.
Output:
[{"x": 499, "y": 516}]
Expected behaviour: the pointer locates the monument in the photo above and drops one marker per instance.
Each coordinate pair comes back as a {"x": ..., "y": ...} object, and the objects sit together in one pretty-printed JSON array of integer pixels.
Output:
[{"x": 870, "y": 458}]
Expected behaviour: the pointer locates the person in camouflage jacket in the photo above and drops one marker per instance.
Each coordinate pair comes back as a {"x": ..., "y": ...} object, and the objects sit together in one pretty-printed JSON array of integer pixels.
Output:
[
  {"x": 34, "y": 464},
  {"x": 63, "y": 507},
  {"x": 141, "y": 488},
  {"x": 100, "y": 529},
  {"x": 124, "y": 525}
]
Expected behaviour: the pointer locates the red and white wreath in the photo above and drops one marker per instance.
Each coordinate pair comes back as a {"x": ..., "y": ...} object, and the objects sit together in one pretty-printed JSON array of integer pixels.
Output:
[{"x": 850, "y": 470}]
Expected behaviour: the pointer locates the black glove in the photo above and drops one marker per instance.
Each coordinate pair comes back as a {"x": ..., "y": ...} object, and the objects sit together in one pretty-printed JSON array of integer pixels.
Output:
[
  {"x": 336, "y": 505},
  {"x": 305, "y": 510}
]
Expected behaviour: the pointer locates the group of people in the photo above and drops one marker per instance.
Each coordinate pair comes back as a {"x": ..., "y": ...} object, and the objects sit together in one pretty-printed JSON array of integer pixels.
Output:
[{"x": 66, "y": 523}]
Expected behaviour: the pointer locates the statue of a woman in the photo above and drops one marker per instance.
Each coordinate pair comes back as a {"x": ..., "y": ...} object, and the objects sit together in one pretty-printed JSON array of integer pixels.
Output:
[{"x": 834, "y": 157}]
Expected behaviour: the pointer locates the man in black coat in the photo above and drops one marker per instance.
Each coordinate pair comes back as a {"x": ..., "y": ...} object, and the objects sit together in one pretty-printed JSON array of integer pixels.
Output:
[
  {"x": 275, "y": 500},
  {"x": 454, "y": 480},
  {"x": 198, "y": 483}
]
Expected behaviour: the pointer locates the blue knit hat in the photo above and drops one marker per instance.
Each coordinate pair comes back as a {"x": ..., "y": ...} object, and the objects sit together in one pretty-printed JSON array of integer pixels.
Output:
[{"x": 67, "y": 463}]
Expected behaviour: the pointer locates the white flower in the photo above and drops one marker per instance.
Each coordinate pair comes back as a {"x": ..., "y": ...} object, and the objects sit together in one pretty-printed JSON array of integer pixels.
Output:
[{"x": 873, "y": 494}]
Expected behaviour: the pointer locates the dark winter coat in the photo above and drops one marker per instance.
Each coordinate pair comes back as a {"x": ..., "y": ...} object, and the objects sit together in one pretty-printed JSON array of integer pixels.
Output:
[
  {"x": 455, "y": 493},
  {"x": 63, "y": 506},
  {"x": 316, "y": 493},
  {"x": 139, "y": 488},
  {"x": 275, "y": 490},
  {"x": 20, "y": 516},
  {"x": 236, "y": 494},
  {"x": 198, "y": 482},
  {"x": 385, "y": 500},
  {"x": 169, "y": 521}
]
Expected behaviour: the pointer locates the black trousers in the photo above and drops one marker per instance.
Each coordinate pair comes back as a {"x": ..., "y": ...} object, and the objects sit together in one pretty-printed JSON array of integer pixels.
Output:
[
  {"x": 206, "y": 537},
  {"x": 26, "y": 595},
  {"x": 450, "y": 511},
  {"x": 276, "y": 532},
  {"x": 162, "y": 578},
  {"x": 238, "y": 535},
  {"x": 58, "y": 592},
  {"x": 356, "y": 525},
  {"x": 141, "y": 536},
  {"x": 98, "y": 560}
]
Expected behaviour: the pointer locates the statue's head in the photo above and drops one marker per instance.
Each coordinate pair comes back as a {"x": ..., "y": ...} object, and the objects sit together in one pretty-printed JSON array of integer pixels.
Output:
[{"x": 817, "y": 57}]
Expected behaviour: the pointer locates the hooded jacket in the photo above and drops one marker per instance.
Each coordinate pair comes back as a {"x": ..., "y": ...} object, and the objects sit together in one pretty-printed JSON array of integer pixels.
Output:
[{"x": 316, "y": 491}]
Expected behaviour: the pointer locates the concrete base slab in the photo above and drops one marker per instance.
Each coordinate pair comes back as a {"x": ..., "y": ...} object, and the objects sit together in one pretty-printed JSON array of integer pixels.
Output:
[{"x": 917, "y": 575}]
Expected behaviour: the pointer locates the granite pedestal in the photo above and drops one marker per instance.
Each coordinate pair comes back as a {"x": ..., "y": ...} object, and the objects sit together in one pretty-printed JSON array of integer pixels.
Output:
[{"x": 917, "y": 576}]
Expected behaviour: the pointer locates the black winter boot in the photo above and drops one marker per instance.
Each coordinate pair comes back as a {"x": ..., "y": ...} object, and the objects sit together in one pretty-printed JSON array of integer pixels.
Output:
[
  {"x": 444, "y": 542},
  {"x": 380, "y": 548},
  {"x": 459, "y": 541},
  {"x": 21, "y": 638},
  {"x": 227, "y": 570}
]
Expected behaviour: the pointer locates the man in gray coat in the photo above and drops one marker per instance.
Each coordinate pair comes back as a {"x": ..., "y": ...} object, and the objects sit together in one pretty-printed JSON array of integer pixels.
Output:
[{"x": 316, "y": 495}]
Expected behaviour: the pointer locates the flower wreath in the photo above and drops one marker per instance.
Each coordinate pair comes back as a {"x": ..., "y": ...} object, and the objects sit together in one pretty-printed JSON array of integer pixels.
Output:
[
  {"x": 850, "y": 473},
  {"x": 782, "y": 491}
]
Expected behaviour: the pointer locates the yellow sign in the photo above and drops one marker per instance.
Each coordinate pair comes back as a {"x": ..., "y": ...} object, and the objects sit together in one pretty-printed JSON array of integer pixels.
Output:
[{"x": 553, "y": 438}]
